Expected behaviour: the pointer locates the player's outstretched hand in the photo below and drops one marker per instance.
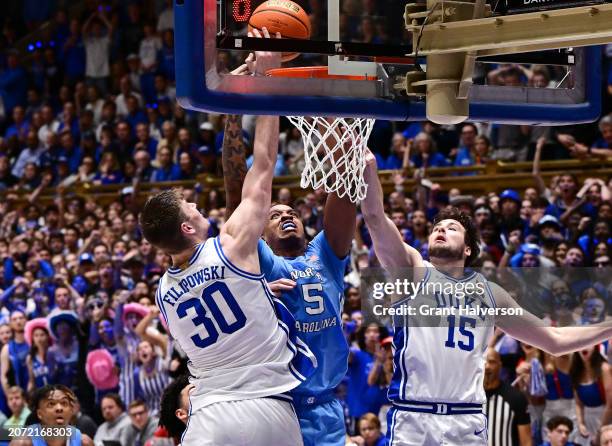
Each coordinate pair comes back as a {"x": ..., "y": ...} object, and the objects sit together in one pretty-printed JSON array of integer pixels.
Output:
[
  {"x": 371, "y": 169},
  {"x": 370, "y": 159},
  {"x": 263, "y": 60},
  {"x": 278, "y": 286}
]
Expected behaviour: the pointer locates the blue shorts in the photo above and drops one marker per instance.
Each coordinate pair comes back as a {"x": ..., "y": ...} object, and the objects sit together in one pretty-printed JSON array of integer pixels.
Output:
[{"x": 322, "y": 424}]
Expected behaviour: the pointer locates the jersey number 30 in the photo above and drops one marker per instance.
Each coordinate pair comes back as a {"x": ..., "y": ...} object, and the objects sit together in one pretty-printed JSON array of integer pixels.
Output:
[{"x": 207, "y": 309}]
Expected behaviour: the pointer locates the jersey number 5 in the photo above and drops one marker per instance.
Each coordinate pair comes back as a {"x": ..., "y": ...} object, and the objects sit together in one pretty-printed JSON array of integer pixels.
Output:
[
  {"x": 313, "y": 294},
  {"x": 207, "y": 306},
  {"x": 465, "y": 323}
]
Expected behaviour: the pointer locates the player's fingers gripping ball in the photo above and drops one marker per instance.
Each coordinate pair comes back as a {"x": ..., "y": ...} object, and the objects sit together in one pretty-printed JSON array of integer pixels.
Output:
[{"x": 282, "y": 16}]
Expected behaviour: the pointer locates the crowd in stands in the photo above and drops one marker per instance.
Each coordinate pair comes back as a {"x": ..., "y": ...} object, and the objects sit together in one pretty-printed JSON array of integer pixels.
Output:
[{"x": 95, "y": 104}]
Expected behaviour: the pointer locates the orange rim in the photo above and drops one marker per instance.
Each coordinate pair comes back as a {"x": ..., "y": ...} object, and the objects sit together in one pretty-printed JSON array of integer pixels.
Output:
[{"x": 313, "y": 73}]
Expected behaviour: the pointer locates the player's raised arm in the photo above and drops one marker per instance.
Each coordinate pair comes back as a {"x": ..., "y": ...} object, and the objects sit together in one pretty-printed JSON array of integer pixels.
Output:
[
  {"x": 247, "y": 222},
  {"x": 390, "y": 248},
  {"x": 339, "y": 217},
  {"x": 233, "y": 159},
  {"x": 554, "y": 340}
]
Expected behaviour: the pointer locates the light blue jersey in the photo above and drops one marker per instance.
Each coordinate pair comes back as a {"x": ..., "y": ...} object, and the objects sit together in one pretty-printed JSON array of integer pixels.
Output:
[{"x": 316, "y": 304}]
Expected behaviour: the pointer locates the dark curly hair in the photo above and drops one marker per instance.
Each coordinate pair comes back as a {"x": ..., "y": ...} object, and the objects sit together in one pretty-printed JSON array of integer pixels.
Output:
[
  {"x": 170, "y": 402},
  {"x": 471, "y": 233},
  {"x": 42, "y": 393}
]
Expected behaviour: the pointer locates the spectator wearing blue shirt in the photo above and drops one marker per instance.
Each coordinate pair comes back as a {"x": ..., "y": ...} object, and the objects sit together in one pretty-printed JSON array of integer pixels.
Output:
[
  {"x": 601, "y": 233},
  {"x": 464, "y": 158},
  {"x": 69, "y": 121},
  {"x": 167, "y": 170},
  {"x": 62, "y": 170},
  {"x": 166, "y": 55},
  {"x": 479, "y": 155},
  {"x": 468, "y": 139},
  {"x": 142, "y": 162},
  {"x": 206, "y": 147},
  {"x": 31, "y": 153},
  {"x": 363, "y": 398},
  {"x": 399, "y": 145},
  {"x": 369, "y": 429},
  {"x": 426, "y": 154},
  {"x": 134, "y": 114},
  {"x": 510, "y": 215},
  {"x": 108, "y": 170},
  {"x": 20, "y": 127},
  {"x": 71, "y": 151},
  {"x": 567, "y": 198},
  {"x": 144, "y": 140},
  {"x": 185, "y": 145},
  {"x": 13, "y": 83},
  {"x": 73, "y": 53}
]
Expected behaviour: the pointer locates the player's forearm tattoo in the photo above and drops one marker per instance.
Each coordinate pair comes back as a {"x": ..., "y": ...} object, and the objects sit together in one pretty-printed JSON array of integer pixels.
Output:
[{"x": 233, "y": 159}]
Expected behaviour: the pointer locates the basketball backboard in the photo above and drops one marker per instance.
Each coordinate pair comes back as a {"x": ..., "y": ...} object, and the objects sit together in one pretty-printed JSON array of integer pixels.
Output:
[{"x": 211, "y": 40}]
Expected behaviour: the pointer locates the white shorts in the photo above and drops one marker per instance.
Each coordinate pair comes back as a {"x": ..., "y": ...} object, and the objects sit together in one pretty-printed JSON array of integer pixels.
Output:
[
  {"x": 592, "y": 420},
  {"x": 256, "y": 422},
  {"x": 426, "y": 429}
]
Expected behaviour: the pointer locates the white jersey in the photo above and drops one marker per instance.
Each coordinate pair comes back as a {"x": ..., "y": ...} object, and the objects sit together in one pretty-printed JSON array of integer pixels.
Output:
[
  {"x": 225, "y": 321},
  {"x": 441, "y": 358}
]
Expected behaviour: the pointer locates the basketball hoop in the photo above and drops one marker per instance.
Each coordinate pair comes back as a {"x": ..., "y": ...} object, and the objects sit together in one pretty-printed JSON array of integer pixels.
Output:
[{"x": 334, "y": 148}]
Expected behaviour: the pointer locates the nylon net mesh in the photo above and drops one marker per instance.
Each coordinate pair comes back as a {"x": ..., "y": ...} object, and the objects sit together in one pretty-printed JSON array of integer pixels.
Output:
[{"x": 334, "y": 154}]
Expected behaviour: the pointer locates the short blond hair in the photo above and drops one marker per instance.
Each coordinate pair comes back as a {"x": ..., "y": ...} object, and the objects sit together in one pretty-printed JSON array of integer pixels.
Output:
[
  {"x": 16, "y": 389},
  {"x": 606, "y": 428}
]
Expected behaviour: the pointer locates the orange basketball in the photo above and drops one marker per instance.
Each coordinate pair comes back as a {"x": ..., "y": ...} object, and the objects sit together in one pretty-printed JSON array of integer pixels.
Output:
[{"x": 283, "y": 16}]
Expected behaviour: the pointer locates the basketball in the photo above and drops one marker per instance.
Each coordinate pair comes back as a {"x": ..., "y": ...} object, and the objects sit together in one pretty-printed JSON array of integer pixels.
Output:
[{"x": 283, "y": 16}]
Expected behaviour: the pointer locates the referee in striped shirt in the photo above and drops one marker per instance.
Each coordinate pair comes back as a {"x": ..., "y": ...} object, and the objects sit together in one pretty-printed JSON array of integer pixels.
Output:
[{"x": 508, "y": 421}]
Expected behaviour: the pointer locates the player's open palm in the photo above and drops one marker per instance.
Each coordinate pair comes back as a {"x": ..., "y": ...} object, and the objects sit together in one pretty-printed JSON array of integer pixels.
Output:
[
  {"x": 263, "y": 61},
  {"x": 583, "y": 430}
]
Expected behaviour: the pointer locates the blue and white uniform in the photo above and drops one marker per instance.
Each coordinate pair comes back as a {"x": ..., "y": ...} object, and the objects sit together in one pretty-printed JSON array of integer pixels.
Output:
[
  {"x": 437, "y": 387},
  {"x": 127, "y": 352},
  {"x": 40, "y": 369},
  {"x": 316, "y": 304},
  {"x": 241, "y": 351},
  {"x": 150, "y": 387},
  {"x": 18, "y": 352}
]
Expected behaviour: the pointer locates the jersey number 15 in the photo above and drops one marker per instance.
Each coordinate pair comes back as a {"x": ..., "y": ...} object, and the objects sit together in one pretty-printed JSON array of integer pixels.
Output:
[{"x": 466, "y": 342}]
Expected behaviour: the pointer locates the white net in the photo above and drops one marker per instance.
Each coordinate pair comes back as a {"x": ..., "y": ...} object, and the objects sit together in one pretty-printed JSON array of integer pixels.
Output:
[{"x": 334, "y": 154}]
